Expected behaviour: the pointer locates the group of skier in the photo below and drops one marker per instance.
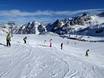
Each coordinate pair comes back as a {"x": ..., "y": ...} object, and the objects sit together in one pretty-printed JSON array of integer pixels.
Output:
[
  {"x": 8, "y": 42},
  {"x": 51, "y": 44},
  {"x": 8, "y": 39}
]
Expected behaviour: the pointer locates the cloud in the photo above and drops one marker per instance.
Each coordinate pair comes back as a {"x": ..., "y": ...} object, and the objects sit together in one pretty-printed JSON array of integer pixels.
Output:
[
  {"x": 46, "y": 16},
  {"x": 14, "y": 13}
]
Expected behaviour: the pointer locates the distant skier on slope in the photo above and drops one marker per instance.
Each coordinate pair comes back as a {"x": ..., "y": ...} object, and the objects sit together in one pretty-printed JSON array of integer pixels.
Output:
[
  {"x": 61, "y": 46},
  {"x": 50, "y": 41},
  {"x": 8, "y": 39},
  {"x": 24, "y": 39},
  {"x": 87, "y": 52}
]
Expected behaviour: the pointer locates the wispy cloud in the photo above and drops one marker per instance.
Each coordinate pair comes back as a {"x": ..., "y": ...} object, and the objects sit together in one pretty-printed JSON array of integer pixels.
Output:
[
  {"x": 14, "y": 13},
  {"x": 41, "y": 16}
]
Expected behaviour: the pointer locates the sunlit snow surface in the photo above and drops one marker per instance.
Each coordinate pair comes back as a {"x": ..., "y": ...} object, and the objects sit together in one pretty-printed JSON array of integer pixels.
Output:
[{"x": 37, "y": 60}]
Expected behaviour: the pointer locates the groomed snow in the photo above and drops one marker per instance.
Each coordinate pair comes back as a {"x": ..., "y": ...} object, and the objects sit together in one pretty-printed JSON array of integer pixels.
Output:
[{"x": 37, "y": 60}]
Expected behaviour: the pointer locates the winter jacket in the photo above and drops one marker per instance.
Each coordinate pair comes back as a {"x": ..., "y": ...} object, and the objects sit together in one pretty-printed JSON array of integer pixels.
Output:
[{"x": 8, "y": 37}]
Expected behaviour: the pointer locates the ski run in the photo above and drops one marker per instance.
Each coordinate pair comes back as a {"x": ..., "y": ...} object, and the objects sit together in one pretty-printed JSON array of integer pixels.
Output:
[{"x": 36, "y": 59}]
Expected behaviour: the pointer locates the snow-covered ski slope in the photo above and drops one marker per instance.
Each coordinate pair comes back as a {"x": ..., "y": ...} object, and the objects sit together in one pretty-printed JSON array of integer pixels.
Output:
[{"x": 37, "y": 60}]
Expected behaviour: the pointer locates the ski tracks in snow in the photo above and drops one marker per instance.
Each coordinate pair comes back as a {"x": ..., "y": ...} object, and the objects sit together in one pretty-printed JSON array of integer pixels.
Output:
[
  {"x": 41, "y": 61},
  {"x": 79, "y": 68}
]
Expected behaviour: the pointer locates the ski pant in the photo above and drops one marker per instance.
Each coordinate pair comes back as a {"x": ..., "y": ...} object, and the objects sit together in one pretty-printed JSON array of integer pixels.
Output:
[{"x": 8, "y": 43}]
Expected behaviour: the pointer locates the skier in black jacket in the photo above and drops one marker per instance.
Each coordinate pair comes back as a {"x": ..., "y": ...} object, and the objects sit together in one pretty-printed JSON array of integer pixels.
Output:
[
  {"x": 24, "y": 39},
  {"x": 87, "y": 52},
  {"x": 61, "y": 46}
]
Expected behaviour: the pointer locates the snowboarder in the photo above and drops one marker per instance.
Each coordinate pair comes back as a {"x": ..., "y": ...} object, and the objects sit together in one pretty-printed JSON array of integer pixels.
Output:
[
  {"x": 50, "y": 45},
  {"x": 61, "y": 46},
  {"x": 87, "y": 52},
  {"x": 8, "y": 39},
  {"x": 24, "y": 39}
]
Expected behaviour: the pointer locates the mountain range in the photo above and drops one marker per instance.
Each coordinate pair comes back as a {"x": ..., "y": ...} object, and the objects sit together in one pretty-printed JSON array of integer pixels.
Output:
[{"x": 80, "y": 24}]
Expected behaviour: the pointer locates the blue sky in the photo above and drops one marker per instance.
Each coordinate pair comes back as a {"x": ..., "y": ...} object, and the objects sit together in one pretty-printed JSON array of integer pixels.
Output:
[{"x": 44, "y": 10}]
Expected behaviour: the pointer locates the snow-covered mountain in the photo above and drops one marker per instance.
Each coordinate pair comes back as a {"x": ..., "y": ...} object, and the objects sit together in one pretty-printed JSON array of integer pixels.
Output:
[
  {"x": 31, "y": 28},
  {"x": 83, "y": 24},
  {"x": 36, "y": 59}
]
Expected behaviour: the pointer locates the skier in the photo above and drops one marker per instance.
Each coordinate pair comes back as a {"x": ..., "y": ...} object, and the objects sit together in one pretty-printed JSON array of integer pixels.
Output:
[
  {"x": 61, "y": 46},
  {"x": 87, "y": 52},
  {"x": 8, "y": 39},
  {"x": 50, "y": 43},
  {"x": 24, "y": 39}
]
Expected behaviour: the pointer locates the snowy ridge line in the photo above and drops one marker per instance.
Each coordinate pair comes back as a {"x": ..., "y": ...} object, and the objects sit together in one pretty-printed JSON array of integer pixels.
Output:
[{"x": 85, "y": 40}]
